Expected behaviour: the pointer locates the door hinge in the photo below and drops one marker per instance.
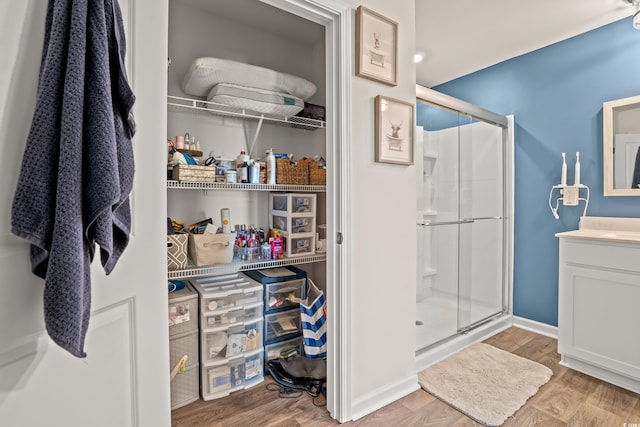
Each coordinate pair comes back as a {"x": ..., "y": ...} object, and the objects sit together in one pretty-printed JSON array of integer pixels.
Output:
[{"x": 339, "y": 238}]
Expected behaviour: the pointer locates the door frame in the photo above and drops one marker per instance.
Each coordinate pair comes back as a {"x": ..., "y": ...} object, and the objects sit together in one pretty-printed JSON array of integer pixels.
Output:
[{"x": 335, "y": 16}]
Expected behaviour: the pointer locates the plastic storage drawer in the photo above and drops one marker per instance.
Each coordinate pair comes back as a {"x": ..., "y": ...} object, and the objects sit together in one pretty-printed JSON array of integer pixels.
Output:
[
  {"x": 300, "y": 245},
  {"x": 185, "y": 344},
  {"x": 286, "y": 348},
  {"x": 185, "y": 388},
  {"x": 230, "y": 317},
  {"x": 227, "y": 342},
  {"x": 221, "y": 293},
  {"x": 282, "y": 325},
  {"x": 283, "y": 295},
  {"x": 293, "y": 203},
  {"x": 218, "y": 380},
  {"x": 183, "y": 310}
]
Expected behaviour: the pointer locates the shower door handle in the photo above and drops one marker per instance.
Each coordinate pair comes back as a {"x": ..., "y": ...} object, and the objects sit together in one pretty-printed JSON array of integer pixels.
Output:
[
  {"x": 482, "y": 218},
  {"x": 434, "y": 223}
]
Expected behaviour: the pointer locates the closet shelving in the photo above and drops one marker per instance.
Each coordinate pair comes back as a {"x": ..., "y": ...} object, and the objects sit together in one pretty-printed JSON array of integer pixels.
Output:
[
  {"x": 176, "y": 103},
  {"x": 211, "y": 270},
  {"x": 190, "y": 185}
]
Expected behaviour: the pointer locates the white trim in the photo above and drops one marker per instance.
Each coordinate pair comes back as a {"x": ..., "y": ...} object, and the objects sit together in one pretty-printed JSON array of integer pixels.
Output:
[
  {"x": 383, "y": 396},
  {"x": 335, "y": 15},
  {"x": 603, "y": 374},
  {"x": 537, "y": 327}
]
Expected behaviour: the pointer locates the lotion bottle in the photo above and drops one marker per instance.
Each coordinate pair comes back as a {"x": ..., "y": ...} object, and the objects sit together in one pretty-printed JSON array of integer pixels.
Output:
[
  {"x": 271, "y": 167},
  {"x": 577, "y": 178}
]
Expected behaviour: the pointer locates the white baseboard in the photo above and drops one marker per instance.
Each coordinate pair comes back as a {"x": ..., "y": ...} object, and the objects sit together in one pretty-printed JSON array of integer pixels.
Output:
[
  {"x": 537, "y": 327},
  {"x": 383, "y": 396}
]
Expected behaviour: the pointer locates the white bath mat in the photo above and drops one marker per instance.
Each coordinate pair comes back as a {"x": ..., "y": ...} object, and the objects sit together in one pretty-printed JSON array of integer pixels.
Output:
[{"x": 484, "y": 382}]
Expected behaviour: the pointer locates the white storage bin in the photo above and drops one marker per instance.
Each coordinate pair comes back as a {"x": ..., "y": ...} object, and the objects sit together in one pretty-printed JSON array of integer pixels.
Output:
[
  {"x": 185, "y": 388},
  {"x": 181, "y": 345},
  {"x": 220, "y": 379},
  {"x": 285, "y": 348},
  {"x": 281, "y": 295},
  {"x": 222, "y": 293},
  {"x": 293, "y": 214},
  {"x": 230, "y": 341},
  {"x": 183, "y": 310},
  {"x": 282, "y": 325}
]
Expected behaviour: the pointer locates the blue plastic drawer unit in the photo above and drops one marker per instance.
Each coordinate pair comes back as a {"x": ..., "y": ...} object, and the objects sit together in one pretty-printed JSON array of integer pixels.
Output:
[{"x": 284, "y": 287}]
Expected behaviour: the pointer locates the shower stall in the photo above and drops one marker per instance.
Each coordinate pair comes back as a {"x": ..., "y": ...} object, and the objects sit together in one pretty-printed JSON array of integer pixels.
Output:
[{"x": 464, "y": 227}]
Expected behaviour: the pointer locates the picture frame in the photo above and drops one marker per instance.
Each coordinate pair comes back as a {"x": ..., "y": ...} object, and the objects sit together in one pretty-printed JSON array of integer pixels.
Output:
[
  {"x": 394, "y": 131},
  {"x": 376, "y": 47}
]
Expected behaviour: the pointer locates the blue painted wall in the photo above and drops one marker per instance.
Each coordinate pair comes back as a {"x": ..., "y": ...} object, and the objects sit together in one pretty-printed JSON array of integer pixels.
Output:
[{"x": 556, "y": 95}]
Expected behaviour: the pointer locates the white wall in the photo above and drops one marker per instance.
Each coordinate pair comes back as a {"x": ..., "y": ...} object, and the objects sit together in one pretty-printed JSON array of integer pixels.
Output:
[{"x": 383, "y": 286}]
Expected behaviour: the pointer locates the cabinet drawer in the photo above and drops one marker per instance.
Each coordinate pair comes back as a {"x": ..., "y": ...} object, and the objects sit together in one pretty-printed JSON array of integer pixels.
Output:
[{"x": 283, "y": 349}]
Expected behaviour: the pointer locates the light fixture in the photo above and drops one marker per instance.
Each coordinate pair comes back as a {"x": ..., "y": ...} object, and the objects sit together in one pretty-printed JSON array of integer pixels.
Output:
[
  {"x": 636, "y": 13},
  {"x": 418, "y": 57}
]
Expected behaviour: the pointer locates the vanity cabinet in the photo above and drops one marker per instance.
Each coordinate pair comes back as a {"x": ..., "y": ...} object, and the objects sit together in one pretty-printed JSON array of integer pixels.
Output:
[{"x": 599, "y": 304}]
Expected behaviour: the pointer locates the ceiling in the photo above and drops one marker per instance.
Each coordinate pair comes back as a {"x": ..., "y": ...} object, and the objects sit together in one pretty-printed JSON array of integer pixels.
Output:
[{"x": 458, "y": 37}]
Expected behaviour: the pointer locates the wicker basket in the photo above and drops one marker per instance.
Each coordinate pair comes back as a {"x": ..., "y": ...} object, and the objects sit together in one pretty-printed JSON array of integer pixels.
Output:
[
  {"x": 292, "y": 173},
  {"x": 317, "y": 174}
]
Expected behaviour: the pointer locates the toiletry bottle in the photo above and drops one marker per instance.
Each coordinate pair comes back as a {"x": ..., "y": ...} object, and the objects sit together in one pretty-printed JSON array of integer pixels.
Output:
[
  {"x": 577, "y": 179},
  {"x": 276, "y": 245},
  {"x": 226, "y": 221},
  {"x": 271, "y": 167},
  {"x": 244, "y": 172},
  {"x": 239, "y": 161},
  {"x": 563, "y": 179}
]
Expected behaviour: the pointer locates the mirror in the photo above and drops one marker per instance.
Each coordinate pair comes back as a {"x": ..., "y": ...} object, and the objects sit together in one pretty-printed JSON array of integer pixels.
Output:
[{"x": 621, "y": 146}]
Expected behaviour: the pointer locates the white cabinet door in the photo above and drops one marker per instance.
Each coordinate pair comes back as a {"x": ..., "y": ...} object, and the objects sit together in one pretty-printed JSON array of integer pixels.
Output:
[{"x": 124, "y": 379}]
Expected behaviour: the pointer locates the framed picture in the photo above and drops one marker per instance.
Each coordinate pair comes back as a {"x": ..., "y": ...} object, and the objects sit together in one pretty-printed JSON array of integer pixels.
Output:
[
  {"x": 394, "y": 131},
  {"x": 376, "y": 47}
]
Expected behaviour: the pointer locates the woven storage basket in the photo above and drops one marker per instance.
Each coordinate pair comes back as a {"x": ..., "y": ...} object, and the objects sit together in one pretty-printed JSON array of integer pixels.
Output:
[
  {"x": 292, "y": 174},
  {"x": 317, "y": 174}
]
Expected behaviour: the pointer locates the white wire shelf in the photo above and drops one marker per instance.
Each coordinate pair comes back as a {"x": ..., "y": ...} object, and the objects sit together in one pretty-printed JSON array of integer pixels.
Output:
[
  {"x": 192, "y": 185},
  {"x": 177, "y": 103},
  {"x": 237, "y": 265}
]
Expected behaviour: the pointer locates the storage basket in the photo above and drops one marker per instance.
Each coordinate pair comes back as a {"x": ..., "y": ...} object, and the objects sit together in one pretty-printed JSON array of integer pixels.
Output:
[
  {"x": 208, "y": 249},
  {"x": 317, "y": 173},
  {"x": 292, "y": 172},
  {"x": 194, "y": 173},
  {"x": 177, "y": 251}
]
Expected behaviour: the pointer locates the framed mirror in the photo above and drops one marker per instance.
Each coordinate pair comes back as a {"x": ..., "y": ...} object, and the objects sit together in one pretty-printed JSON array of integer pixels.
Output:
[{"x": 621, "y": 146}]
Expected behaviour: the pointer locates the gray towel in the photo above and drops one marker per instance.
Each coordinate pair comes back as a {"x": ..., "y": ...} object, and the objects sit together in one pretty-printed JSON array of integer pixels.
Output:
[{"x": 77, "y": 170}]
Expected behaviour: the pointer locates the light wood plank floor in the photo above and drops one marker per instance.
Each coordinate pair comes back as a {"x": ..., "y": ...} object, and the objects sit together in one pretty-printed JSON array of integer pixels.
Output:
[{"x": 568, "y": 399}]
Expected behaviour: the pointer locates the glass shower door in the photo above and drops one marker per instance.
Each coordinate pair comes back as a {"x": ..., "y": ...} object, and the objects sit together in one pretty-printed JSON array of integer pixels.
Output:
[{"x": 481, "y": 194}]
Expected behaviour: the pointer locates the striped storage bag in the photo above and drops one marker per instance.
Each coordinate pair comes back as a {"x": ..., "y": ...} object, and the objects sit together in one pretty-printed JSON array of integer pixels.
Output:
[{"x": 313, "y": 314}]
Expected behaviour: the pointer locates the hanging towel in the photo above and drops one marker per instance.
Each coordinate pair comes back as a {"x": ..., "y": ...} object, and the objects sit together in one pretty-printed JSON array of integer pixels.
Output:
[{"x": 77, "y": 169}]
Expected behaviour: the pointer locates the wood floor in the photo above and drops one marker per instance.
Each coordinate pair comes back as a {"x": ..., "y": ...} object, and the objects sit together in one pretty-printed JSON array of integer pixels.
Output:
[{"x": 568, "y": 399}]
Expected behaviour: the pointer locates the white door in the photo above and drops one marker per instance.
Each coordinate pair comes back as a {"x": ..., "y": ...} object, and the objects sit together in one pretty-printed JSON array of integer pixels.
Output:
[{"x": 123, "y": 381}]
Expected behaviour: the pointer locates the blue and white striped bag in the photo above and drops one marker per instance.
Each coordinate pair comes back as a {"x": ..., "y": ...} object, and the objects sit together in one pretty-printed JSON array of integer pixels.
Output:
[{"x": 313, "y": 314}]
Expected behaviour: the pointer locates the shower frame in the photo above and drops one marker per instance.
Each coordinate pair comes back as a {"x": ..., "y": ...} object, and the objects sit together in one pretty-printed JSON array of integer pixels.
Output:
[{"x": 493, "y": 324}]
